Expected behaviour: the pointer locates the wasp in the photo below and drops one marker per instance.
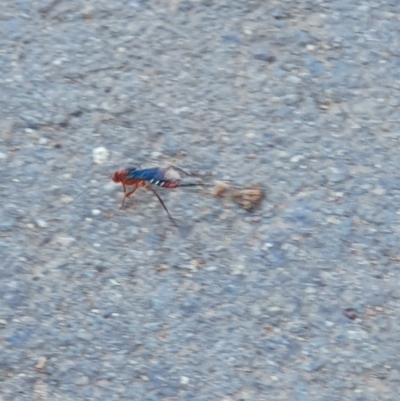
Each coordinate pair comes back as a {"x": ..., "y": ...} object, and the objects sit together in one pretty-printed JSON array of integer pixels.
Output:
[{"x": 147, "y": 178}]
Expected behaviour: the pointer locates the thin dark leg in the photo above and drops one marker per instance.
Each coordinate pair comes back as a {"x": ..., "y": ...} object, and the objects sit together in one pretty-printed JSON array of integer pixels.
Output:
[
  {"x": 179, "y": 170},
  {"x": 186, "y": 173},
  {"x": 162, "y": 203}
]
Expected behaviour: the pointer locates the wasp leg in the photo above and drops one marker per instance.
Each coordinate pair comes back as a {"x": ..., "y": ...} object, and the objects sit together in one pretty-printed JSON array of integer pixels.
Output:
[
  {"x": 162, "y": 203},
  {"x": 179, "y": 170},
  {"x": 128, "y": 194}
]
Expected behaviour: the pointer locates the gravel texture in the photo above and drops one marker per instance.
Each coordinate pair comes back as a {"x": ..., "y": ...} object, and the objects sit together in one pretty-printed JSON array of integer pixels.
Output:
[{"x": 297, "y": 300}]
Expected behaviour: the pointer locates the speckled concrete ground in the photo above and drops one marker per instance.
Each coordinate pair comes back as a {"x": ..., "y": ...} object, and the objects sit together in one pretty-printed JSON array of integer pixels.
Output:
[{"x": 298, "y": 300}]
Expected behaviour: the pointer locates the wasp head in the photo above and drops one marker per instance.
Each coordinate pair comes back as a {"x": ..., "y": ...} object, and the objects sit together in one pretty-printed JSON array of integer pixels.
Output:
[{"x": 119, "y": 175}]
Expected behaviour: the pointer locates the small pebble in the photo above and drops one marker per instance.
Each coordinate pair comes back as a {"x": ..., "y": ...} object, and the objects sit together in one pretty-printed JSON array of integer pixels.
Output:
[
  {"x": 41, "y": 363},
  {"x": 43, "y": 141},
  {"x": 269, "y": 58},
  {"x": 333, "y": 220},
  {"x": 65, "y": 240},
  {"x": 185, "y": 380},
  {"x": 357, "y": 335},
  {"x": 3, "y": 156},
  {"x": 336, "y": 175},
  {"x": 155, "y": 155},
  {"x": 96, "y": 212},
  {"x": 310, "y": 290},
  {"x": 297, "y": 158},
  {"x": 379, "y": 191},
  {"x": 41, "y": 223},
  {"x": 350, "y": 313},
  {"x": 66, "y": 199},
  {"x": 100, "y": 155},
  {"x": 274, "y": 309},
  {"x": 82, "y": 381},
  {"x": 292, "y": 79}
]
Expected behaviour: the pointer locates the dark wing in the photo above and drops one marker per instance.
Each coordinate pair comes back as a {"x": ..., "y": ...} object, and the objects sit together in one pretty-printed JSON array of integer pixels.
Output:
[{"x": 145, "y": 174}]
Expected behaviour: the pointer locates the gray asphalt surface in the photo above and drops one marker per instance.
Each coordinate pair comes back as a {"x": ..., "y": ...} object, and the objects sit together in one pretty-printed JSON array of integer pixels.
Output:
[{"x": 298, "y": 300}]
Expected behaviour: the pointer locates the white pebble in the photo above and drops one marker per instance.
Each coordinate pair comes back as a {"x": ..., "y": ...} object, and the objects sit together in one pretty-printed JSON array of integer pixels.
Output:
[
  {"x": 96, "y": 212},
  {"x": 43, "y": 141},
  {"x": 333, "y": 220},
  {"x": 297, "y": 158},
  {"x": 66, "y": 199},
  {"x": 293, "y": 79},
  {"x": 185, "y": 380},
  {"x": 310, "y": 290},
  {"x": 41, "y": 223},
  {"x": 100, "y": 155},
  {"x": 64, "y": 240},
  {"x": 266, "y": 246},
  {"x": 274, "y": 309},
  {"x": 3, "y": 156},
  {"x": 379, "y": 191},
  {"x": 156, "y": 155},
  {"x": 357, "y": 335}
]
